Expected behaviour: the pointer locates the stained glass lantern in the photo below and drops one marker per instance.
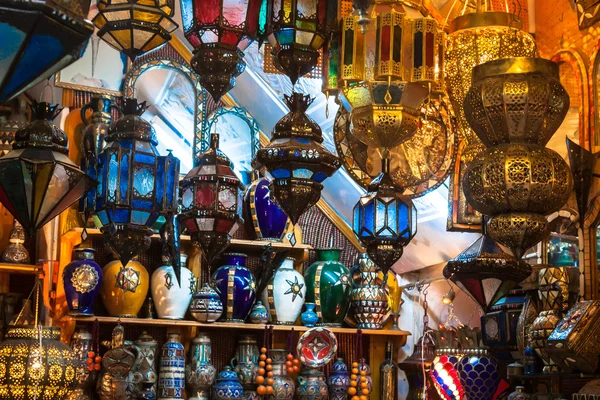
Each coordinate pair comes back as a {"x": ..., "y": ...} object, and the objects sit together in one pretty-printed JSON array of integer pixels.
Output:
[
  {"x": 27, "y": 27},
  {"x": 211, "y": 201},
  {"x": 219, "y": 31},
  {"x": 486, "y": 273},
  {"x": 384, "y": 220},
  {"x": 137, "y": 185},
  {"x": 135, "y": 27},
  {"x": 38, "y": 181},
  {"x": 296, "y": 159}
]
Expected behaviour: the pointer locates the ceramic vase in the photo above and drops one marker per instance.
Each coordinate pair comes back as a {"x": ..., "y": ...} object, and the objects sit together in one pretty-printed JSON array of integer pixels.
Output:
[
  {"x": 81, "y": 343},
  {"x": 171, "y": 381},
  {"x": 82, "y": 280},
  {"x": 284, "y": 294},
  {"x": 135, "y": 377},
  {"x": 478, "y": 374},
  {"x": 236, "y": 287},
  {"x": 172, "y": 299},
  {"x": 267, "y": 220},
  {"x": 227, "y": 387},
  {"x": 339, "y": 380},
  {"x": 124, "y": 289},
  {"x": 200, "y": 373},
  {"x": 519, "y": 394},
  {"x": 283, "y": 386},
  {"x": 148, "y": 347},
  {"x": 259, "y": 314},
  {"x": 328, "y": 286},
  {"x": 245, "y": 364},
  {"x": 309, "y": 317},
  {"x": 206, "y": 305},
  {"x": 311, "y": 385},
  {"x": 368, "y": 300}
]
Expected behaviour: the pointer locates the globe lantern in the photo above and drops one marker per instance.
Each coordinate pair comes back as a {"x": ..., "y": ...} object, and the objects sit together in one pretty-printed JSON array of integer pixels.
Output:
[
  {"x": 296, "y": 159},
  {"x": 135, "y": 27},
  {"x": 219, "y": 31},
  {"x": 38, "y": 181},
  {"x": 137, "y": 185},
  {"x": 59, "y": 28},
  {"x": 211, "y": 201}
]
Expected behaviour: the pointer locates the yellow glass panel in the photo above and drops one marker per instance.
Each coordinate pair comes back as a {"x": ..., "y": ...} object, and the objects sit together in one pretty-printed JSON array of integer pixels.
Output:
[
  {"x": 43, "y": 174},
  {"x": 318, "y": 42},
  {"x": 157, "y": 41},
  {"x": 99, "y": 21},
  {"x": 140, "y": 38},
  {"x": 145, "y": 16},
  {"x": 123, "y": 37},
  {"x": 111, "y": 40},
  {"x": 117, "y": 15}
]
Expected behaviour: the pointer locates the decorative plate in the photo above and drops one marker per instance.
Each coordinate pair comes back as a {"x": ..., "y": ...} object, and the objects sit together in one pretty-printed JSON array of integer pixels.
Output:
[{"x": 317, "y": 347}]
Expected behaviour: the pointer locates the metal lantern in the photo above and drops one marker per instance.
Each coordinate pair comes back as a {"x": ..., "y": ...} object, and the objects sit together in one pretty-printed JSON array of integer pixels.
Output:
[
  {"x": 296, "y": 159},
  {"x": 219, "y": 31},
  {"x": 211, "y": 201},
  {"x": 137, "y": 185},
  {"x": 38, "y": 181},
  {"x": 59, "y": 28},
  {"x": 384, "y": 220},
  {"x": 135, "y": 27}
]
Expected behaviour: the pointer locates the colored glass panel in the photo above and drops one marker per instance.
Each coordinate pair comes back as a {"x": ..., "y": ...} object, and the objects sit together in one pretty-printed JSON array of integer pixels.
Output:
[
  {"x": 418, "y": 52},
  {"x": 143, "y": 181},
  {"x": 429, "y": 47},
  {"x": 124, "y": 178},
  {"x": 234, "y": 11},
  {"x": 142, "y": 204},
  {"x": 113, "y": 170},
  {"x": 187, "y": 14},
  {"x": 144, "y": 158},
  {"x": 207, "y": 11},
  {"x": 349, "y": 47},
  {"x": 12, "y": 39},
  {"x": 385, "y": 42},
  {"x": 205, "y": 196},
  {"x": 139, "y": 217},
  {"x": 56, "y": 190},
  {"x": 171, "y": 188},
  {"x": 397, "y": 46}
]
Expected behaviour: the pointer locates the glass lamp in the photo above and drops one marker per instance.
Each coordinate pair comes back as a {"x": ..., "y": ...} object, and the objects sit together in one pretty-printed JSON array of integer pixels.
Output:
[
  {"x": 211, "y": 201},
  {"x": 38, "y": 181},
  {"x": 219, "y": 31},
  {"x": 135, "y": 27},
  {"x": 137, "y": 185},
  {"x": 59, "y": 28}
]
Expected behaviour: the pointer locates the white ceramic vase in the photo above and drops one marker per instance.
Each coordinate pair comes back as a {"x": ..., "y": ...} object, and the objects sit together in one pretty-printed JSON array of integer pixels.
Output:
[
  {"x": 285, "y": 294},
  {"x": 172, "y": 300}
]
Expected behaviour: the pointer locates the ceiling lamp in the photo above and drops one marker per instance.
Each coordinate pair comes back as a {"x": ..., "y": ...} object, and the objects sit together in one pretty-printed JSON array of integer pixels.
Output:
[
  {"x": 485, "y": 272},
  {"x": 137, "y": 185},
  {"x": 296, "y": 159},
  {"x": 27, "y": 27},
  {"x": 219, "y": 31},
  {"x": 135, "y": 27},
  {"x": 515, "y": 105},
  {"x": 38, "y": 181},
  {"x": 211, "y": 201},
  {"x": 474, "y": 39}
]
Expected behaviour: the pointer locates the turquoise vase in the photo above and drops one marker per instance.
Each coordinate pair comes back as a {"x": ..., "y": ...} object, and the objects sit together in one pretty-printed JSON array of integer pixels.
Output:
[{"x": 309, "y": 317}]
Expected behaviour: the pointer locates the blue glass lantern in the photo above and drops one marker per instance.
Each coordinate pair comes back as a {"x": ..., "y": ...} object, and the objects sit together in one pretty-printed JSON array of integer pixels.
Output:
[
  {"x": 137, "y": 186},
  {"x": 384, "y": 220}
]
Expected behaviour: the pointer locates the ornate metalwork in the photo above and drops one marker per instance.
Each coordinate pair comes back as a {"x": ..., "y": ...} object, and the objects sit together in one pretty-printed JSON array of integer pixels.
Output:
[
  {"x": 85, "y": 278},
  {"x": 16, "y": 251},
  {"x": 518, "y": 231}
]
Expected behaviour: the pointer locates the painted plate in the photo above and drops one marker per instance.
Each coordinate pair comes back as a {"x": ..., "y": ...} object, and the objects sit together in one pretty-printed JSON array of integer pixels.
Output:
[{"x": 317, "y": 347}]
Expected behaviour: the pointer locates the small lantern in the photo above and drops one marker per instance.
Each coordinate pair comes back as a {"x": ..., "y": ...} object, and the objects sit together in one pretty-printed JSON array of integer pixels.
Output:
[
  {"x": 137, "y": 186},
  {"x": 211, "y": 201},
  {"x": 428, "y": 52},
  {"x": 38, "y": 181},
  {"x": 135, "y": 27},
  {"x": 219, "y": 31},
  {"x": 353, "y": 51},
  {"x": 391, "y": 59}
]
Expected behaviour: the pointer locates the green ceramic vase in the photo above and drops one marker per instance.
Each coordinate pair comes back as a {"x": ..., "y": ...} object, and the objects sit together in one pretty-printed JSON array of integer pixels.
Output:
[{"x": 328, "y": 285}]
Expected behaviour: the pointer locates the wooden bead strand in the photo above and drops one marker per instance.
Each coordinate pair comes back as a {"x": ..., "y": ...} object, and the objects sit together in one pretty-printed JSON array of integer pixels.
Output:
[
  {"x": 292, "y": 363},
  {"x": 94, "y": 360},
  {"x": 265, "y": 377},
  {"x": 359, "y": 389}
]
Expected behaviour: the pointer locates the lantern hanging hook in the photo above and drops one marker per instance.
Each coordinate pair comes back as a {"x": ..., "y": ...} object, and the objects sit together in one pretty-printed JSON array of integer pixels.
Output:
[{"x": 44, "y": 90}]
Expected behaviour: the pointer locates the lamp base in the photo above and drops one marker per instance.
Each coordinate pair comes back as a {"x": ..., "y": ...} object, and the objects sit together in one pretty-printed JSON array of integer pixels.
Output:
[
  {"x": 218, "y": 66},
  {"x": 295, "y": 62},
  {"x": 295, "y": 196}
]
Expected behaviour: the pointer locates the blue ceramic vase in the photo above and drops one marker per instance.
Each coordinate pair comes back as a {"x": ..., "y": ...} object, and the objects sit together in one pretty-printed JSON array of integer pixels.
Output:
[
  {"x": 311, "y": 385},
  {"x": 239, "y": 297},
  {"x": 259, "y": 314},
  {"x": 269, "y": 222},
  {"x": 206, "y": 305},
  {"x": 82, "y": 279},
  {"x": 171, "y": 381},
  {"x": 478, "y": 373},
  {"x": 309, "y": 317},
  {"x": 228, "y": 386},
  {"x": 339, "y": 380}
]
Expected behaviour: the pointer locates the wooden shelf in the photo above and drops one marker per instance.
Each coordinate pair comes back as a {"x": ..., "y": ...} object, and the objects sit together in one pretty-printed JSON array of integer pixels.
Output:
[
  {"x": 223, "y": 325},
  {"x": 18, "y": 268}
]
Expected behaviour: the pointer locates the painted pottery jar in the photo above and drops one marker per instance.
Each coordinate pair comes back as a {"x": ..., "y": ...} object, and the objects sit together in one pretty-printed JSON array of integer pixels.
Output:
[
  {"x": 267, "y": 220},
  {"x": 519, "y": 394},
  {"x": 172, "y": 299},
  {"x": 283, "y": 385},
  {"x": 135, "y": 377},
  {"x": 368, "y": 300},
  {"x": 309, "y": 317},
  {"x": 328, "y": 286},
  {"x": 206, "y": 305},
  {"x": 245, "y": 364},
  {"x": 171, "y": 376},
  {"x": 236, "y": 287},
  {"x": 200, "y": 373},
  {"x": 124, "y": 289},
  {"x": 478, "y": 374},
  {"x": 82, "y": 280},
  {"x": 81, "y": 343},
  {"x": 117, "y": 366},
  {"x": 284, "y": 294},
  {"x": 259, "y": 314},
  {"x": 148, "y": 347},
  {"x": 339, "y": 380},
  {"x": 311, "y": 385},
  {"x": 227, "y": 387}
]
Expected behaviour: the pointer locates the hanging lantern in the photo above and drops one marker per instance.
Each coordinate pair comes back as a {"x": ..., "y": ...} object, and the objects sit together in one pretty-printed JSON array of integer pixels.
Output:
[
  {"x": 59, "y": 28},
  {"x": 485, "y": 272},
  {"x": 219, "y": 31},
  {"x": 211, "y": 200},
  {"x": 135, "y": 27},
  {"x": 137, "y": 186},
  {"x": 443, "y": 369},
  {"x": 384, "y": 220},
  {"x": 296, "y": 159},
  {"x": 37, "y": 179}
]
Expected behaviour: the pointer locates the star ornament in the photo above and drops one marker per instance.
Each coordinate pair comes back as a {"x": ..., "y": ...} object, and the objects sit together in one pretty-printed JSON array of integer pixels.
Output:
[
  {"x": 295, "y": 288},
  {"x": 343, "y": 279}
]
